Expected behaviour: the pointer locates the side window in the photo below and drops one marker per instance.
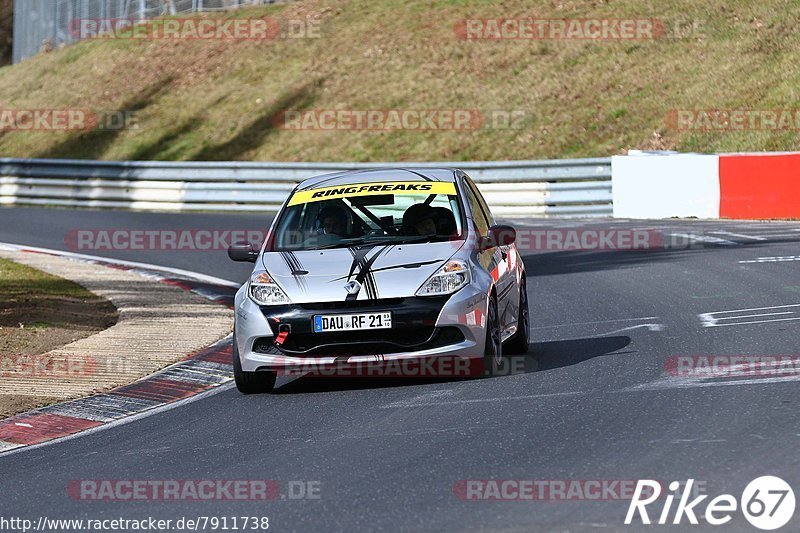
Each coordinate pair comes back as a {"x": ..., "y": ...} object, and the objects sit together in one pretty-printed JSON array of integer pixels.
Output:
[
  {"x": 478, "y": 214},
  {"x": 481, "y": 200}
]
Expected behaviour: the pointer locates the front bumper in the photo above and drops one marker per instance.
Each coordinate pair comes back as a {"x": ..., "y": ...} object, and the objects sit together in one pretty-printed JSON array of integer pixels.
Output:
[{"x": 422, "y": 328}]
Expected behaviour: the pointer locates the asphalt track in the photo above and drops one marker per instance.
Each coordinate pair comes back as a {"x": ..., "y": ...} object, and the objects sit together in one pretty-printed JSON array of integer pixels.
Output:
[{"x": 595, "y": 404}]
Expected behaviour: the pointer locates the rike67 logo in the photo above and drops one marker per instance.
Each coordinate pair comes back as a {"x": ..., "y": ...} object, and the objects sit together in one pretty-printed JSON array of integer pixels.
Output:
[{"x": 767, "y": 503}]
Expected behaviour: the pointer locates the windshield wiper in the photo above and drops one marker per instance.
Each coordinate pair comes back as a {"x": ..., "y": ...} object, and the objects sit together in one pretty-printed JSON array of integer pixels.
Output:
[
  {"x": 399, "y": 240},
  {"x": 341, "y": 244},
  {"x": 349, "y": 243}
]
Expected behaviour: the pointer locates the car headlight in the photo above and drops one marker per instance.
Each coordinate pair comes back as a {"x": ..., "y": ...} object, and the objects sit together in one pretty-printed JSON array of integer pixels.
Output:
[
  {"x": 450, "y": 278},
  {"x": 264, "y": 291}
]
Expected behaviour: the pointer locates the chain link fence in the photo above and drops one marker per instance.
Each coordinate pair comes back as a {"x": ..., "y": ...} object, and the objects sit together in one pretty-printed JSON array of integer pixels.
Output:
[
  {"x": 41, "y": 25},
  {"x": 6, "y": 26}
]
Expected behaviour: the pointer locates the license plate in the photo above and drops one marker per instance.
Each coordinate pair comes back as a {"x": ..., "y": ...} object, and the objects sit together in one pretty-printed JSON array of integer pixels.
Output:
[{"x": 326, "y": 323}]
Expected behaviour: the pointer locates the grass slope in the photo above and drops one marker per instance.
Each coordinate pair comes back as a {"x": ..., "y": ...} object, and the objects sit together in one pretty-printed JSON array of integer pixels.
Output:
[{"x": 216, "y": 100}]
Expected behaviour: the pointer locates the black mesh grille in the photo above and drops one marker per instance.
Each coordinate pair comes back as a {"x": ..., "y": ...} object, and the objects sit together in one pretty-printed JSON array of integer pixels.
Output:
[
  {"x": 352, "y": 304},
  {"x": 363, "y": 342}
]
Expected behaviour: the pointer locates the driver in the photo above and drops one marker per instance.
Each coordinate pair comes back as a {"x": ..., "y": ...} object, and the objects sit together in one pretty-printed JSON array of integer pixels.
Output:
[{"x": 333, "y": 220}]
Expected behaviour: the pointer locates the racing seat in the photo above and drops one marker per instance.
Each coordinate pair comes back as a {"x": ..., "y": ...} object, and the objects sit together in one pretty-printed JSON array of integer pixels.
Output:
[
  {"x": 445, "y": 221},
  {"x": 414, "y": 214}
]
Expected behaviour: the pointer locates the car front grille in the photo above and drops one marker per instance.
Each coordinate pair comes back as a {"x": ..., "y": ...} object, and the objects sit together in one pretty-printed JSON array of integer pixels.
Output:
[
  {"x": 371, "y": 342},
  {"x": 352, "y": 304}
]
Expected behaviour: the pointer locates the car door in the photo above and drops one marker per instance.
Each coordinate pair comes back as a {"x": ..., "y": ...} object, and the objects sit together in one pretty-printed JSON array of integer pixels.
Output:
[{"x": 498, "y": 260}]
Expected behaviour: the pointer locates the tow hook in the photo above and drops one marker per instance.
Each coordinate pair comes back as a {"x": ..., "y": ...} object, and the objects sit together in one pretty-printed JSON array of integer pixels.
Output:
[{"x": 283, "y": 332}]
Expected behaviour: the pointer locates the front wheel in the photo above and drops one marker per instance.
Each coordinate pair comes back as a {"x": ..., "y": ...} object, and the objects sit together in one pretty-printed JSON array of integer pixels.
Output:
[
  {"x": 518, "y": 344},
  {"x": 251, "y": 382},
  {"x": 493, "y": 350}
]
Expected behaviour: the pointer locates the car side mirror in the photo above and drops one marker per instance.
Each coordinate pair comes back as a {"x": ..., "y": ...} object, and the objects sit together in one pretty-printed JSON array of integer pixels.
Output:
[
  {"x": 243, "y": 252},
  {"x": 499, "y": 235}
]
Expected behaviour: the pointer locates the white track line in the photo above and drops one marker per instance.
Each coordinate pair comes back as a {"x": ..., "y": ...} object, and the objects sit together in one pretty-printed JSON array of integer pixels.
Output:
[
  {"x": 650, "y": 327},
  {"x": 597, "y": 322},
  {"x": 705, "y": 238},
  {"x": 673, "y": 383},
  {"x": 755, "y": 316},
  {"x": 419, "y": 402},
  {"x": 740, "y": 235},
  {"x": 768, "y": 236},
  {"x": 710, "y": 320},
  {"x": 755, "y": 322},
  {"x": 777, "y": 259}
]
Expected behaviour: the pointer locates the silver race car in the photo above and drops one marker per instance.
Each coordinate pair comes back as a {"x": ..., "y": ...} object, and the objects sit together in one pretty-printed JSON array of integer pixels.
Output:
[{"x": 377, "y": 266}]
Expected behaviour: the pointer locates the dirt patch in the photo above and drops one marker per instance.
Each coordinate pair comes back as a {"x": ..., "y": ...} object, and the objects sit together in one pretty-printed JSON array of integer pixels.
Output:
[
  {"x": 12, "y": 404},
  {"x": 39, "y": 313}
]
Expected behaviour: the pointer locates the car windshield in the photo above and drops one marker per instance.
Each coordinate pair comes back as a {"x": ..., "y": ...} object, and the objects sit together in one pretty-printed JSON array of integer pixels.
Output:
[{"x": 369, "y": 213}]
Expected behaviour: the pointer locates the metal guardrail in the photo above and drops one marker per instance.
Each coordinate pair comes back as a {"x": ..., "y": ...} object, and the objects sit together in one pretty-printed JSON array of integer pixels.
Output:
[{"x": 569, "y": 187}]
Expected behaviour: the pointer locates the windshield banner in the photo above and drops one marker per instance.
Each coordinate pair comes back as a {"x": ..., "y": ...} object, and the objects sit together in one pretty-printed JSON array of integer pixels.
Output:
[{"x": 370, "y": 189}]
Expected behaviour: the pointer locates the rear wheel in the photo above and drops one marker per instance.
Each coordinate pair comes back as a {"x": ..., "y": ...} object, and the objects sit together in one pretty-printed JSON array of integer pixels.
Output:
[
  {"x": 518, "y": 344},
  {"x": 251, "y": 382},
  {"x": 493, "y": 350}
]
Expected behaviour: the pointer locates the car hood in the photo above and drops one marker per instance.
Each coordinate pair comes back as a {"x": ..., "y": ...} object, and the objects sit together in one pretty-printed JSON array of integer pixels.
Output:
[{"x": 384, "y": 271}]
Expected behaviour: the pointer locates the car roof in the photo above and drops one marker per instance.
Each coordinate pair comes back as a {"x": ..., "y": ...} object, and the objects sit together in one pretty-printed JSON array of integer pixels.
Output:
[{"x": 378, "y": 174}]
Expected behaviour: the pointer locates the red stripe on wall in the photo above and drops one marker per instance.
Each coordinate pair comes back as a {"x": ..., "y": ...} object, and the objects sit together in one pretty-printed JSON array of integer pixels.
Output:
[
  {"x": 759, "y": 186},
  {"x": 41, "y": 427}
]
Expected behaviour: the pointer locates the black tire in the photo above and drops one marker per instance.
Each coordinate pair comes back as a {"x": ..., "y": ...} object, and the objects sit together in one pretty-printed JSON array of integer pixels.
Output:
[
  {"x": 518, "y": 344},
  {"x": 493, "y": 349},
  {"x": 251, "y": 382}
]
